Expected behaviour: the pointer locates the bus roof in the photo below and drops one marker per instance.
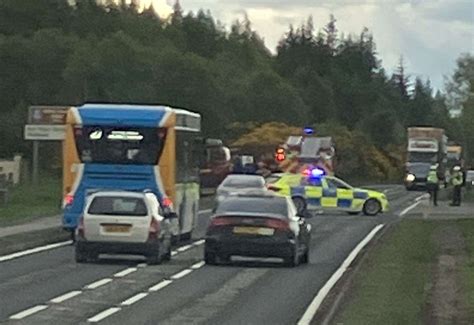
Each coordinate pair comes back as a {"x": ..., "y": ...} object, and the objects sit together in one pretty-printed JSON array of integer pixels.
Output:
[{"x": 122, "y": 114}]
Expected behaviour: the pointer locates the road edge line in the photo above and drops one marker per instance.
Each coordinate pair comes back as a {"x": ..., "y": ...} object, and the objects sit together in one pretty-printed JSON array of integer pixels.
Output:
[{"x": 323, "y": 292}]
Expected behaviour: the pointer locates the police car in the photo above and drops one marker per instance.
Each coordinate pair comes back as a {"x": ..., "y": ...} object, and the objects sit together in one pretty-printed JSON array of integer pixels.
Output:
[{"x": 314, "y": 190}]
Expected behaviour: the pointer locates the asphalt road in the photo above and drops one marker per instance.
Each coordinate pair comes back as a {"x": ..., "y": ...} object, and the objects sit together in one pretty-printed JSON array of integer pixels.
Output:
[{"x": 243, "y": 293}]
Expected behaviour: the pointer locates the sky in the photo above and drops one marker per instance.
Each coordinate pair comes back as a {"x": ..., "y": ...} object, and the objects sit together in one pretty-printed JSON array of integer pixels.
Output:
[{"x": 429, "y": 34}]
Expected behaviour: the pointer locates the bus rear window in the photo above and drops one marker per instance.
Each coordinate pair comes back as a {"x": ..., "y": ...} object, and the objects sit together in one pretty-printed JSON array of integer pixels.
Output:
[{"x": 111, "y": 145}]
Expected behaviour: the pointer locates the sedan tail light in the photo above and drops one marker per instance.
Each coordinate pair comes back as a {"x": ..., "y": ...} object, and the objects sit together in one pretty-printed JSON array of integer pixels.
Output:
[
  {"x": 273, "y": 188},
  {"x": 277, "y": 224},
  {"x": 223, "y": 221}
]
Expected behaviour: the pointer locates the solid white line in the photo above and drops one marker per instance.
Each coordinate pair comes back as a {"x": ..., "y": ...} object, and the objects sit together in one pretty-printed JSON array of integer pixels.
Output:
[
  {"x": 134, "y": 299},
  {"x": 318, "y": 299},
  {"x": 414, "y": 205},
  {"x": 205, "y": 211},
  {"x": 198, "y": 265},
  {"x": 34, "y": 250},
  {"x": 199, "y": 242},
  {"x": 160, "y": 285},
  {"x": 65, "y": 297},
  {"x": 106, "y": 313},
  {"x": 181, "y": 274},
  {"x": 173, "y": 253},
  {"x": 125, "y": 272},
  {"x": 29, "y": 312},
  {"x": 184, "y": 248},
  {"x": 99, "y": 283}
]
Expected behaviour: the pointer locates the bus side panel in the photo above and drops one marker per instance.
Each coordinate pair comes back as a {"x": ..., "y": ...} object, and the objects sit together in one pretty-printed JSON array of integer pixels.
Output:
[{"x": 187, "y": 180}]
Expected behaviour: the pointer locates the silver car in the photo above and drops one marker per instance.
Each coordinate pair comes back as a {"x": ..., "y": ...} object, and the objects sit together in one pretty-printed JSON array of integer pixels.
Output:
[{"x": 238, "y": 183}]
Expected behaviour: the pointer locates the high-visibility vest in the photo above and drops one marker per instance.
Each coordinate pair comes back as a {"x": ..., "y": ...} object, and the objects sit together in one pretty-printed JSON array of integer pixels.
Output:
[
  {"x": 457, "y": 179},
  {"x": 432, "y": 177}
]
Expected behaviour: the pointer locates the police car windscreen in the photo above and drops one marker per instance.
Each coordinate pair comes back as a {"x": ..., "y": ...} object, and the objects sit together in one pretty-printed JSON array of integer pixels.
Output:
[
  {"x": 118, "y": 206},
  {"x": 257, "y": 205}
]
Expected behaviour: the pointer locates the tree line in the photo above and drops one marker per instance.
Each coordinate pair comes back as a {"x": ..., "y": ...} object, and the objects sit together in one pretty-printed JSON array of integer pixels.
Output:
[{"x": 58, "y": 52}]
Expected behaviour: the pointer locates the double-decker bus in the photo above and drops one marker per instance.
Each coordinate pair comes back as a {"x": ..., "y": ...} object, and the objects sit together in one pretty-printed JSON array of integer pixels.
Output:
[{"x": 132, "y": 147}]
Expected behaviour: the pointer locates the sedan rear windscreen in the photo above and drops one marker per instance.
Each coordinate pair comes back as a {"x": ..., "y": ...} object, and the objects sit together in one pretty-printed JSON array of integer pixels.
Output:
[
  {"x": 273, "y": 205},
  {"x": 118, "y": 206}
]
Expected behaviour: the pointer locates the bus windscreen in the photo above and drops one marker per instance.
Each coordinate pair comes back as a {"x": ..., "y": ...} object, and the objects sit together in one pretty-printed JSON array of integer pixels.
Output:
[{"x": 125, "y": 145}]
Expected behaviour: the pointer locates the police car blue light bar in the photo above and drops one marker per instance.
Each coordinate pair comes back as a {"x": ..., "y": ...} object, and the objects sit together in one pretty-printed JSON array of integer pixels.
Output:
[
  {"x": 314, "y": 172},
  {"x": 308, "y": 130}
]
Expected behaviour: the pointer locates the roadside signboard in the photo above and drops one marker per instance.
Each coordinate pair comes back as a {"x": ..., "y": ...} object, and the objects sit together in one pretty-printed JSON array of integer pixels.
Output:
[
  {"x": 45, "y": 132},
  {"x": 47, "y": 115}
]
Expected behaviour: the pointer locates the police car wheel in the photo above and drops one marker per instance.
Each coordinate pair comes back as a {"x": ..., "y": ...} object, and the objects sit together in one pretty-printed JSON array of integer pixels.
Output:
[
  {"x": 372, "y": 207},
  {"x": 300, "y": 204}
]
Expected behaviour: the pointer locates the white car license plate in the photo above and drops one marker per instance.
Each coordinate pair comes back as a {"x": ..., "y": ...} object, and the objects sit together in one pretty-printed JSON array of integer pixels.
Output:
[{"x": 254, "y": 231}]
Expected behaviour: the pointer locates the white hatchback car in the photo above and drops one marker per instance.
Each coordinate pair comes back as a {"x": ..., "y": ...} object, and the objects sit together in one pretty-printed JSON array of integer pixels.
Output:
[{"x": 124, "y": 222}]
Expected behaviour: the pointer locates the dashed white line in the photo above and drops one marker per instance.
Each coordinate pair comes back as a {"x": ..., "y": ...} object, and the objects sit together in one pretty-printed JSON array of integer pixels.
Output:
[
  {"x": 134, "y": 299},
  {"x": 125, "y": 272},
  {"x": 181, "y": 274},
  {"x": 142, "y": 265},
  {"x": 199, "y": 242},
  {"x": 174, "y": 253},
  {"x": 411, "y": 207},
  {"x": 198, "y": 265},
  {"x": 106, "y": 313},
  {"x": 160, "y": 285},
  {"x": 99, "y": 283},
  {"x": 184, "y": 248},
  {"x": 29, "y": 312},
  {"x": 34, "y": 250},
  {"x": 318, "y": 299},
  {"x": 65, "y": 297}
]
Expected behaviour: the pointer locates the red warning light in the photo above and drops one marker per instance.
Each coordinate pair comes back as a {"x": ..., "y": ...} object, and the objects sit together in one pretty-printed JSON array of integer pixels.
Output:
[{"x": 280, "y": 154}]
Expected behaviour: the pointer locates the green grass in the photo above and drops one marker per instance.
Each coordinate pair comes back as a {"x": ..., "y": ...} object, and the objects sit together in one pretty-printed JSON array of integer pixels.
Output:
[
  {"x": 467, "y": 227},
  {"x": 390, "y": 286},
  {"x": 31, "y": 201}
]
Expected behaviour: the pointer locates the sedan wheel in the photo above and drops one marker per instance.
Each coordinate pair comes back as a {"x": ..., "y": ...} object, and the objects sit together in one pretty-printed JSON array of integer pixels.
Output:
[{"x": 372, "y": 207}]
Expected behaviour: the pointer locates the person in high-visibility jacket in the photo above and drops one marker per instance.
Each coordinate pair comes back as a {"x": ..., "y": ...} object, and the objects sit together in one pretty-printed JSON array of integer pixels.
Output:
[
  {"x": 457, "y": 181},
  {"x": 432, "y": 184}
]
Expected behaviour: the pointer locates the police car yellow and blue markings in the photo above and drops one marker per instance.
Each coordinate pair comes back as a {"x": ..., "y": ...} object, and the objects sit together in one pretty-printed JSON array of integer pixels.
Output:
[{"x": 317, "y": 194}]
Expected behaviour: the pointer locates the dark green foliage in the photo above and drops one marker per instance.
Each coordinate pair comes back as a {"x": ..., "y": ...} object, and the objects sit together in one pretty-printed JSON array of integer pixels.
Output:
[{"x": 52, "y": 52}]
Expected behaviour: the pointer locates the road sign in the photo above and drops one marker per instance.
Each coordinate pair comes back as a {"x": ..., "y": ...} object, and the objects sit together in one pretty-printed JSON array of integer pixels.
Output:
[
  {"x": 47, "y": 115},
  {"x": 45, "y": 132}
]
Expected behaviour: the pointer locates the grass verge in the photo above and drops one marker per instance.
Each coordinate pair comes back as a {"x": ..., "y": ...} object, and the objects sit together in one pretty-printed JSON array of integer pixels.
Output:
[
  {"x": 31, "y": 201},
  {"x": 467, "y": 228},
  {"x": 390, "y": 287}
]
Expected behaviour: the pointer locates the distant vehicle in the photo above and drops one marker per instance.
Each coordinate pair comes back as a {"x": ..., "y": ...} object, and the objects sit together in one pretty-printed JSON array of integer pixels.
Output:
[
  {"x": 257, "y": 224},
  {"x": 416, "y": 175},
  {"x": 124, "y": 223},
  {"x": 313, "y": 190},
  {"x": 133, "y": 147},
  {"x": 470, "y": 178},
  {"x": 428, "y": 146},
  {"x": 215, "y": 164},
  {"x": 238, "y": 183}
]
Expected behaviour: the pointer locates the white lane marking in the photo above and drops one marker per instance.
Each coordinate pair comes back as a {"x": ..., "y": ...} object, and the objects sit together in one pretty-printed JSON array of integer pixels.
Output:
[
  {"x": 29, "y": 312},
  {"x": 205, "y": 211},
  {"x": 199, "y": 242},
  {"x": 134, "y": 299},
  {"x": 181, "y": 274},
  {"x": 421, "y": 197},
  {"x": 160, "y": 285},
  {"x": 174, "y": 253},
  {"x": 65, "y": 297},
  {"x": 34, "y": 250},
  {"x": 125, "y": 272},
  {"x": 142, "y": 265},
  {"x": 184, "y": 248},
  {"x": 106, "y": 313},
  {"x": 99, "y": 283},
  {"x": 198, "y": 265},
  {"x": 411, "y": 207},
  {"x": 318, "y": 299}
]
